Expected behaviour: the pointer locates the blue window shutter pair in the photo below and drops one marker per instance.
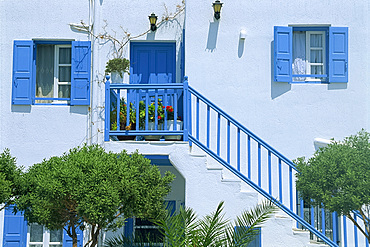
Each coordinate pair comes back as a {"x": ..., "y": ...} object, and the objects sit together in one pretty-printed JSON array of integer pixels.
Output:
[
  {"x": 15, "y": 229},
  {"x": 337, "y": 61},
  {"x": 24, "y": 78}
]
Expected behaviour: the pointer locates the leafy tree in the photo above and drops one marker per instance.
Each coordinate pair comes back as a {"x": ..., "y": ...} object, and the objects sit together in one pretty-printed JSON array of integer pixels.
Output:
[
  {"x": 88, "y": 186},
  {"x": 184, "y": 229},
  {"x": 9, "y": 178},
  {"x": 338, "y": 177}
]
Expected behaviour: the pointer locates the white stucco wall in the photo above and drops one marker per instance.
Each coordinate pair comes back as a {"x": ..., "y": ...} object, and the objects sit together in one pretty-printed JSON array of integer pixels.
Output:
[
  {"x": 238, "y": 75},
  {"x": 35, "y": 132}
]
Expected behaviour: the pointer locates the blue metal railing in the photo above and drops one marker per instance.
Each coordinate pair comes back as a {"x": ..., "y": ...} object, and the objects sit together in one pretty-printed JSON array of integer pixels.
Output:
[
  {"x": 261, "y": 167},
  {"x": 234, "y": 146},
  {"x": 145, "y": 110}
]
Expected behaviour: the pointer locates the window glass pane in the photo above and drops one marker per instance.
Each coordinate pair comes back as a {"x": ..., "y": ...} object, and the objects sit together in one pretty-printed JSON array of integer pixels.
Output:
[
  {"x": 65, "y": 73},
  {"x": 316, "y": 56},
  {"x": 65, "y": 55},
  {"x": 316, "y": 40},
  {"x": 316, "y": 69},
  {"x": 35, "y": 245},
  {"x": 64, "y": 91},
  {"x": 36, "y": 233},
  {"x": 45, "y": 71},
  {"x": 56, "y": 236},
  {"x": 55, "y": 245}
]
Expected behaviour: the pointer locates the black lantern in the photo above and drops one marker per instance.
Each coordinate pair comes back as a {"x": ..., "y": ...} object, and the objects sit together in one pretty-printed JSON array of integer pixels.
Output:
[
  {"x": 217, "y": 9},
  {"x": 153, "y": 21}
]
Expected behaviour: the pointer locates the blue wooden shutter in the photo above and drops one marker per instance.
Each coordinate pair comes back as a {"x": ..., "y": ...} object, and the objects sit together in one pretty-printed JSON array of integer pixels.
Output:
[
  {"x": 80, "y": 79},
  {"x": 23, "y": 63},
  {"x": 283, "y": 54},
  {"x": 338, "y": 54},
  {"x": 15, "y": 229},
  {"x": 67, "y": 240}
]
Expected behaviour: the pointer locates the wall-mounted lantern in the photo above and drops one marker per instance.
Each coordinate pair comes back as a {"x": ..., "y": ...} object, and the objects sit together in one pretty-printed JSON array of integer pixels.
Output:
[
  {"x": 217, "y": 9},
  {"x": 153, "y": 21}
]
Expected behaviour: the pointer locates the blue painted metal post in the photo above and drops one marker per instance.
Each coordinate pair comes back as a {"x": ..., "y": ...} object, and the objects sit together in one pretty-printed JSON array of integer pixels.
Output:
[
  {"x": 208, "y": 124},
  {"x": 228, "y": 141},
  {"x": 259, "y": 165},
  {"x": 118, "y": 109},
  {"x": 187, "y": 111},
  {"x": 107, "y": 108},
  {"x": 197, "y": 121},
  {"x": 291, "y": 187},
  {"x": 323, "y": 228},
  {"x": 269, "y": 172},
  {"x": 355, "y": 230},
  {"x": 218, "y": 133},
  {"x": 238, "y": 150},
  {"x": 280, "y": 183},
  {"x": 189, "y": 114},
  {"x": 335, "y": 227},
  {"x": 249, "y": 156}
]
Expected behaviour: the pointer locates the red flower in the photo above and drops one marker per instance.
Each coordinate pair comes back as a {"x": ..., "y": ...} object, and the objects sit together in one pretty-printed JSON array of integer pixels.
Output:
[
  {"x": 159, "y": 117},
  {"x": 171, "y": 109}
]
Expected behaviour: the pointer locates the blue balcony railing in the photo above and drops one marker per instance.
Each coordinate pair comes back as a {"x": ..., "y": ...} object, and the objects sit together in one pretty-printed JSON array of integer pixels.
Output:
[{"x": 146, "y": 111}]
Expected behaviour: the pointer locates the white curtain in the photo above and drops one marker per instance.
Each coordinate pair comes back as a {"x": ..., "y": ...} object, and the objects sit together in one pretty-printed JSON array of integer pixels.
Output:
[
  {"x": 299, "y": 55},
  {"x": 45, "y": 72}
]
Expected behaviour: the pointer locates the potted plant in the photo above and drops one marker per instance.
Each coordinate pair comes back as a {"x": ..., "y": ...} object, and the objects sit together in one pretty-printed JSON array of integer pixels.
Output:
[
  {"x": 117, "y": 67},
  {"x": 170, "y": 119},
  {"x": 122, "y": 118}
]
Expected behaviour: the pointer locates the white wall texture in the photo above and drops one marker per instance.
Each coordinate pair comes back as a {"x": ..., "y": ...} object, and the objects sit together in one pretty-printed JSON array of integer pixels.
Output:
[
  {"x": 35, "y": 132},
  {"x": 237, "y": 75}
]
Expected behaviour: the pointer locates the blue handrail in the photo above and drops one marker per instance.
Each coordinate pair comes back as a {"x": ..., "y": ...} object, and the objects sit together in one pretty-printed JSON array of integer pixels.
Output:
[{"x": 226, "y": 162}]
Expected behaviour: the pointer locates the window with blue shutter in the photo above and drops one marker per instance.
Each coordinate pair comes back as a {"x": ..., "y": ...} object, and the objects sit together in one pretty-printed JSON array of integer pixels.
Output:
[
  {"x": 51, "y": 72},
  {"x": 316, "y": 54},
  {"x": 15, "y": 229}
]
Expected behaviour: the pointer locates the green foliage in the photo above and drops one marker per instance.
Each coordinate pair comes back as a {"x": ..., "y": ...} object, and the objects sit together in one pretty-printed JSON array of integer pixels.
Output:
[
  {"x": 119, "y": 65},
  {"x": 184, "y": 229},
  {"x": 338, "y": 176},
  {"x": 89, "y": 185},
  {"x": 9, "y": 178}
]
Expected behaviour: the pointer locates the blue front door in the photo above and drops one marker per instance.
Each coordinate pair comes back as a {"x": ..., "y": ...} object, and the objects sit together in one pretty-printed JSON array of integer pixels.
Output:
[{"x": 152, "y": 63}]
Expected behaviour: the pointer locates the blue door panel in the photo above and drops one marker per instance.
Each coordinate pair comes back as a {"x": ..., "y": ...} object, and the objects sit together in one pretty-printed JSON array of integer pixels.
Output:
[
  {"x": 15, "y": 229},
  {"x": 67, "y": 240},
  {"x": 153, "y": 63}
]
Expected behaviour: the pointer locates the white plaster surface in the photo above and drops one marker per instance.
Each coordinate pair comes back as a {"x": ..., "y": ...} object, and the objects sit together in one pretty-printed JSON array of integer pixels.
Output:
[{"x": 237, "y": 76}]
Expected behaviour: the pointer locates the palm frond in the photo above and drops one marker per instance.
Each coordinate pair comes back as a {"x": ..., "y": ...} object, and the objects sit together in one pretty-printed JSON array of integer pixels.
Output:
[
  {"x": 212, "y": 228},
  {"x": 246, "y": 224}
]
